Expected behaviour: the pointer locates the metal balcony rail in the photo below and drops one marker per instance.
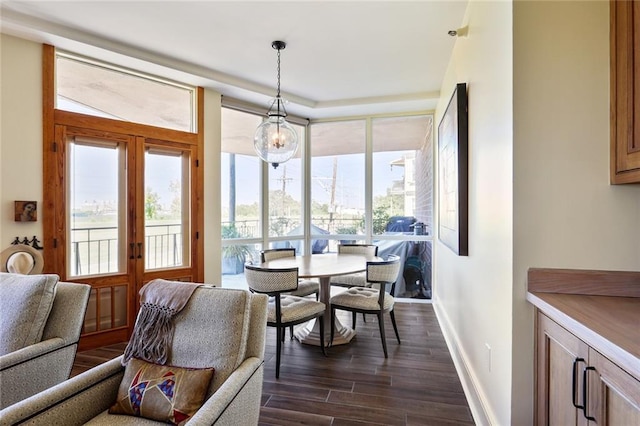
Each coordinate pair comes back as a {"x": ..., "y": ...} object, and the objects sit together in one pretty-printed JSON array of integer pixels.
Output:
[{"x": 96, "y": 250}]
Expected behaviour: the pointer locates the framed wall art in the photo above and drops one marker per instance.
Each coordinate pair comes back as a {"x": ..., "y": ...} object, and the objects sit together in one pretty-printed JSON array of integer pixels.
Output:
[
  {"x": 453, "y": 175},
  {"x": 26, "y": 211}
]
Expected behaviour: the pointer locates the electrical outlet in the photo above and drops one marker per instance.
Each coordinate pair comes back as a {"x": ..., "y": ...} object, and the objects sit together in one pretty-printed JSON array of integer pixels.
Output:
[{"x": 488, "y": 356}]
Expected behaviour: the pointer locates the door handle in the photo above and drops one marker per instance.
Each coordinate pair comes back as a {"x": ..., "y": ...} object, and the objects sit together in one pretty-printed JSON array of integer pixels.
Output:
[
  {"x": 139, "y": 250},
  {"x": 574, "y": 383},
  {"x": 133, "y": 247},
  {"x": 585, "y": 373}
]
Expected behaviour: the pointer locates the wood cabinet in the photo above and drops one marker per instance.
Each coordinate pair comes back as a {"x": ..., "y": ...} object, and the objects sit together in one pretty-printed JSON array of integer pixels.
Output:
[
  {"x": 625, "y": 91},
  {"x": 577, "y": 385}
]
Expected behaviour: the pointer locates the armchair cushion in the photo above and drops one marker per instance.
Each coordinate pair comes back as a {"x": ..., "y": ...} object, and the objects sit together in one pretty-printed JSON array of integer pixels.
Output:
[
  {"x": 26, "y": 304},
  {"x": 161, "y": 392}
]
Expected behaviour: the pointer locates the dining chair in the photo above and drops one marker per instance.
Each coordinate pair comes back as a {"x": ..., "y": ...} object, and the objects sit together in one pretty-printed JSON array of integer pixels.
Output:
[
  {"x": 369, "y": 300},
  {"x": 305, "y": 287},
  {"x": 356, "y": 279},
  {"x": 284, "y": 310}
]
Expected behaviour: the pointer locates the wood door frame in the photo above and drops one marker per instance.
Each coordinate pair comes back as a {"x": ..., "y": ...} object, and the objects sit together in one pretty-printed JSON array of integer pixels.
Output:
[{"x": 54, "y": 190}]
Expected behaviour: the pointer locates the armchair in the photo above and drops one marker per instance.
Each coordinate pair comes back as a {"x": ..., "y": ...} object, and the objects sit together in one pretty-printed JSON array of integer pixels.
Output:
[
  {"x": 220, "y": 328},
  {"x": 33, "y": 368}
]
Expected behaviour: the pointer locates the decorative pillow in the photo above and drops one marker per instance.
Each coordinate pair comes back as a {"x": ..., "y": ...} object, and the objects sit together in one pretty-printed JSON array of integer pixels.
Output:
[
  {"x": 25, "y": 304},
  {"x": 161, "y": 392}
]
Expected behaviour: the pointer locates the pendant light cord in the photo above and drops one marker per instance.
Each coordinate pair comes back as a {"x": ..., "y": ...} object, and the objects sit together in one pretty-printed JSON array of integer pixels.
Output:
[{"x": 278, "y": 94}]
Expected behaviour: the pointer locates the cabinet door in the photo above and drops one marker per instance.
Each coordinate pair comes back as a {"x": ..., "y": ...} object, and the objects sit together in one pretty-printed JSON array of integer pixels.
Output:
[
  {"x": 614, "y": 395},
  {"x": 560, "y": 359},
  {"x": 625, "y": 91}
]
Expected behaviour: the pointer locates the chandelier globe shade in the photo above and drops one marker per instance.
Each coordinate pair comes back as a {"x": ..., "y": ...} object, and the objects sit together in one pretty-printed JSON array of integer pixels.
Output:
[{"x": 275, "y": 140}]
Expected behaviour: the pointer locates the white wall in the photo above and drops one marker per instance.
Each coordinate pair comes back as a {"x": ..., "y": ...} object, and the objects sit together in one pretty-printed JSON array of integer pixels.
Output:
[
  {"x": 473, "y": 294},
  {"x": 566, "y": 215},
  {"x": 561, "y": 211},
  {"x": 212, "y": 193},
  {"x": 20, "y": 135}
]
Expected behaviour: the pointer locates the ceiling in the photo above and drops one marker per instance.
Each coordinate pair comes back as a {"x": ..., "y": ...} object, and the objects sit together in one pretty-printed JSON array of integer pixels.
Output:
[{"x": 342, "y": 57}]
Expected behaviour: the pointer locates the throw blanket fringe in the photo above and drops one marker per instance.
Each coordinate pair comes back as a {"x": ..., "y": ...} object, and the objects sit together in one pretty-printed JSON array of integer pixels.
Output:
[{"x": 153, "y": 332}]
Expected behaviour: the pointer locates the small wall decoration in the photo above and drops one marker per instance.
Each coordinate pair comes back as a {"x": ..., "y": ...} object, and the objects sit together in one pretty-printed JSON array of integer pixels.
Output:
[
  {"x": 26, "y": 211},
  {"x": 453, "y": 162}
]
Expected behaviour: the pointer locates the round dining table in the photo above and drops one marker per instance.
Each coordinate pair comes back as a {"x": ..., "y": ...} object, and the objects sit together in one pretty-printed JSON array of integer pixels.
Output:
[{"x": 323, "y": 266}]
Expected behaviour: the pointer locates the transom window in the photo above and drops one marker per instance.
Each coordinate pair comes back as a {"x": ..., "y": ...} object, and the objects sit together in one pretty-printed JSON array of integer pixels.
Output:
[{"x": 103, "y": 90}]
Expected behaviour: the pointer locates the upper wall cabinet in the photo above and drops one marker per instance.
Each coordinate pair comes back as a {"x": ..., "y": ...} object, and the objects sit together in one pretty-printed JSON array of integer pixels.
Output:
[{"x": 625, "y": 91}]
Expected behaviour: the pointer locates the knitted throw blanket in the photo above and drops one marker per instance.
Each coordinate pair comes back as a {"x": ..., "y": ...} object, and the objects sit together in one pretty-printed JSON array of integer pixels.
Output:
[{"x": 160, "y": 301}]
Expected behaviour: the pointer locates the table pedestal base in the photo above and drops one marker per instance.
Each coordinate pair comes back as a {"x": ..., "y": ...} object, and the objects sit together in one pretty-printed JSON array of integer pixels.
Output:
[{"x": 309, "y": 333}]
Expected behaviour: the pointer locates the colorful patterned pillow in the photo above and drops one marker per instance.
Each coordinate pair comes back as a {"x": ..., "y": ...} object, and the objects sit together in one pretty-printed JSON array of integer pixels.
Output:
[{"x": 161, "y": 392}]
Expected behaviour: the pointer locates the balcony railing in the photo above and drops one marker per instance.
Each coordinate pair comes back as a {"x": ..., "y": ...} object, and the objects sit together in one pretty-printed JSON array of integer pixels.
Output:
[{"x": 95, "y": 250}]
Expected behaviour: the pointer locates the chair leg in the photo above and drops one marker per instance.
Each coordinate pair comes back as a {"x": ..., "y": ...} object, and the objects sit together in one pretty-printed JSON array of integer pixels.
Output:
[
  {"x": 321, "y": 319},
  {"x": 364, "y": 317},
  {"x": 382, "y": 336},
  {"x": 353, "y": 320},
  {"x": 333, "y": 327},
  {"x": 290, "y": 333},
  {"x": 279, "y": 338},
  {"x": 395, "y": 327}
]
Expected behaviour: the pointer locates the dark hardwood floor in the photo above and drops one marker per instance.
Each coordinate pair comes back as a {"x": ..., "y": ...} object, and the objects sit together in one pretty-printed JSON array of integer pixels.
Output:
[{"x": 355, "y": 384}]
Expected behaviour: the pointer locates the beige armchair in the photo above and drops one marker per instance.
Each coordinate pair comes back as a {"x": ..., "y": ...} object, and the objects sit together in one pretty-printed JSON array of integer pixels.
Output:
[
  {"x": 220, "y": 328},
  {"x": 30, "y": 363}
]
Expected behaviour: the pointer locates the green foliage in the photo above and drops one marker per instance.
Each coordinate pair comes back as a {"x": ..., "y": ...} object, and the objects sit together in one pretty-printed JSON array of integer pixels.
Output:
[
  {"x": 318, "y": 209},
  {"x": 283, "y": 204},
  {"x": 176, "y": 202},
  {"x": 385, "y": 206},
  {"x": 248, "y": 210},
  {"x": 352, "y": 230},
  {"x": 151, "y": 204},
  {"x": 241, "y": 252}
]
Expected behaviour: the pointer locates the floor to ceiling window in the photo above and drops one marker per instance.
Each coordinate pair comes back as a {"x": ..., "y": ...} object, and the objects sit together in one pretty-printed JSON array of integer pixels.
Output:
[
  {"x": 261, "y": 205},
  {"x": 369, "y": 180},
  {"x": 338, "y": 179}
]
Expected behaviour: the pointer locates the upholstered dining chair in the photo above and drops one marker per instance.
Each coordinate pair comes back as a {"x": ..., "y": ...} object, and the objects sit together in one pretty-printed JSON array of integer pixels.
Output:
[
  {"x": 284, "y": 310},
  {"x": 369, "y": 300},
  {"x": 305, "y": 287},
  {"x": 357, "y": 279}
]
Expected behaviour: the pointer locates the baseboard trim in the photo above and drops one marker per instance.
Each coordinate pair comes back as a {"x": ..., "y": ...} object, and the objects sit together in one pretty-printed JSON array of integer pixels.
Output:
[{"x": 480, "y": 410}]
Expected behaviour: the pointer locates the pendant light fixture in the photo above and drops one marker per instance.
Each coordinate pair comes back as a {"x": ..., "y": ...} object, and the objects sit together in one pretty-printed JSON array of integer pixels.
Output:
[{"x": 276, "y": 141}]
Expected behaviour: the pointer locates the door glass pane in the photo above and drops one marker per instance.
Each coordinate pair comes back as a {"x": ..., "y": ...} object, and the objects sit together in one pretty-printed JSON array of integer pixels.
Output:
[
  {"x": 166, "y": 208},
  {"x": 96, "y": 219},
  {"x": 337, "y": 178},
  {"x": 401, "y": 156}
]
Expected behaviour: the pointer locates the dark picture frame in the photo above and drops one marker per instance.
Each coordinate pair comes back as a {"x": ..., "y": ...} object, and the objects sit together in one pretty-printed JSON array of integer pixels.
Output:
[
  {"x": 453, "y": 173},
  {"x": 25, "y": 211}
]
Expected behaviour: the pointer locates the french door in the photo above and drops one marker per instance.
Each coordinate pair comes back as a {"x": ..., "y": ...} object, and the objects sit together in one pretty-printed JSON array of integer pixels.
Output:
[{"x": 123, "y": 211}]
